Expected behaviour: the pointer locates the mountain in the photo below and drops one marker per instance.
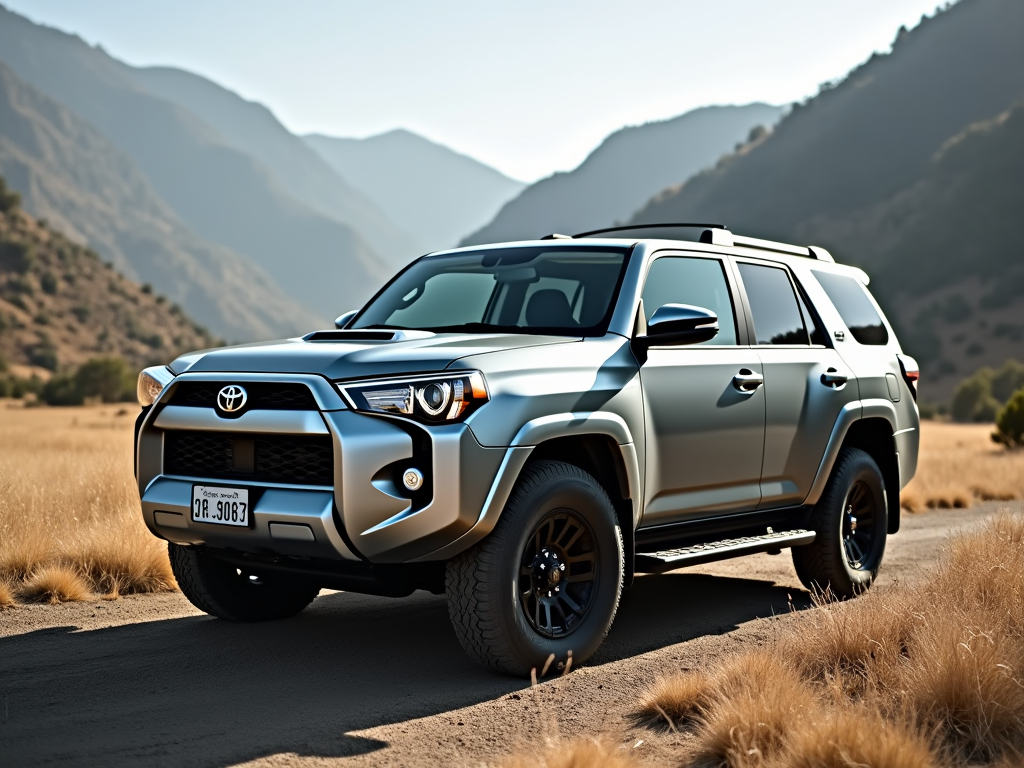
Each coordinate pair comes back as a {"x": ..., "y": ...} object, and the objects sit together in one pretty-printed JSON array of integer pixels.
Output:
[
  {"x": 222, "y": 194},
  {"x": 434, "y": 192},
  {"x": 624, "y": 172},
  {"x": 866, "y": 153},
  {"x": 71, "y": 175},
  {"x": 60, "y": 304},
  {"x": 252, "y": 128}
]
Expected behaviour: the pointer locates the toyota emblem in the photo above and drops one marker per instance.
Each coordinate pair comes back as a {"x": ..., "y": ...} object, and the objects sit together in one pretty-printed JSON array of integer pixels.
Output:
[{"x": 232, "y": 398}]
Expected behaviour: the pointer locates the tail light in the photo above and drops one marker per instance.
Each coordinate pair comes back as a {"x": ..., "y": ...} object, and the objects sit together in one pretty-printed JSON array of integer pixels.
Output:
[{"x": 911, "y": 372}]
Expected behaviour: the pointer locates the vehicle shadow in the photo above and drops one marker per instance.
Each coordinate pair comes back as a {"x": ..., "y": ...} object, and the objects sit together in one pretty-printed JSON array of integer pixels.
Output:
[{"x": 199, "y": 691}]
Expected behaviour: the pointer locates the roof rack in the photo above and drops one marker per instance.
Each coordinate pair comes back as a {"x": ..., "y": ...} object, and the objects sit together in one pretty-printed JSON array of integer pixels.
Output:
[
  {"x": 716, "y": 234},
  {"x": 681, "y": 225}
]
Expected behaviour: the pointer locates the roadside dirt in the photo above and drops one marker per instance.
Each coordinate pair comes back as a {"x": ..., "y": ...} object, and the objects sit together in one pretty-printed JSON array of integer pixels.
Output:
[{"x": 362, "y": 680}]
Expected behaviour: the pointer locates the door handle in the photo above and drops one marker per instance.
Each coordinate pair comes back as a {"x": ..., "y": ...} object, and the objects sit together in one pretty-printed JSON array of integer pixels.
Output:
[
  {"x": 832, "y": 378},
  {"x": 747, "y": 381}
]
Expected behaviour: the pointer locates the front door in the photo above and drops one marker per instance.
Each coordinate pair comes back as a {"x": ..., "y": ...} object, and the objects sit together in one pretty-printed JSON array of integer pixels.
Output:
[
  {"x": 704, "y": 411},
  {"x": 806, "y": 383}
]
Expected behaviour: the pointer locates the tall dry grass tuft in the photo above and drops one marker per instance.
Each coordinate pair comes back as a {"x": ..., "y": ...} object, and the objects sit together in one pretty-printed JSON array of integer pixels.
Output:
[
  {"x": 55, "y": 584},
  {"x": 856, "y": 737},
  {"x": 581, "y": 753},
  {"x": 675, "y": 700},
  {"x": 959, "y": 465},
  {"x": 935, "y": 671},
  {"x": 68, "y": 498},
  {"x": 6, "y": 596},
  {"x": 758, "y": 698}
]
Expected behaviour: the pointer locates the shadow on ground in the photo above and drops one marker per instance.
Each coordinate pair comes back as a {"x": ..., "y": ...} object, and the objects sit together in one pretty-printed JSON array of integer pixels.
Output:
[{"x": 198, "y": 691}]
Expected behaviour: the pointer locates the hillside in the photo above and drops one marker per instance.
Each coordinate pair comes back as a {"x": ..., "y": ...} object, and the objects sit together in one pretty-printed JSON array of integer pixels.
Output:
[
  {"x": 861, "y": 169},
  {"x": 624, "y": 172},
  {"x": 252, "y": 128},
  {"x": 70, "y": 174},
  {"x": 435, "y": 193},
  {"x": 222, "y": 194},
  {"x": 61, "y": 305}
]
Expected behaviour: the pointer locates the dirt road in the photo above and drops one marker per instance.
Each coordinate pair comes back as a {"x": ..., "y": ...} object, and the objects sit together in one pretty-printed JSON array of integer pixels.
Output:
[{"x": 363, "y": 680}]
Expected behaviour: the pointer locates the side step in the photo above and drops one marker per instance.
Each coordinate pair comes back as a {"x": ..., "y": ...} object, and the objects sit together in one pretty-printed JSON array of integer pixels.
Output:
[{"x": 669, "y": 560}]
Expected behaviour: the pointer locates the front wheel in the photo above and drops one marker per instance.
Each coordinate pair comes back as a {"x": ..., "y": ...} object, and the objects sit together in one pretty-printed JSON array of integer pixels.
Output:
[
  {"x": 851, "y": 523},
  {"x": 547, "y": 580},
  {"x": 227, "y": 592}
]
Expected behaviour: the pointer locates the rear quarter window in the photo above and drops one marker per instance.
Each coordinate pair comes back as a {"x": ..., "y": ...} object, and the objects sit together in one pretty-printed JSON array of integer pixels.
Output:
[{"x": 851, "y": 300}]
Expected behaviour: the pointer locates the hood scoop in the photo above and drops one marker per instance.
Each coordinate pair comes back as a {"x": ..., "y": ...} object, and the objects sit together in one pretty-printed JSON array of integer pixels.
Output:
[{"x": 367, "y": 335}]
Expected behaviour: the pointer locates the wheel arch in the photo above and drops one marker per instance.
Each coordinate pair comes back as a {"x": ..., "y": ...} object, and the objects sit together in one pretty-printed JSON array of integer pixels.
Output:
[{"x": 868, "y": 425}]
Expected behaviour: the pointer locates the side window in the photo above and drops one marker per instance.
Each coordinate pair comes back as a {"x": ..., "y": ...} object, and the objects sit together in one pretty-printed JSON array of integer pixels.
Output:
[
  {"x": 694, "y": 281},
  {"x": 773, "y": 304},
  {"x": 817, "y": 332},
  {"x": 851, "y": 301}
]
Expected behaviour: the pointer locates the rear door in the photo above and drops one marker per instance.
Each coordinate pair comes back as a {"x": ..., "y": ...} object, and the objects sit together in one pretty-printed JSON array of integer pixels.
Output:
[
  {"x": 806, "y": 383},
  {"x": 704, "y": 435}
]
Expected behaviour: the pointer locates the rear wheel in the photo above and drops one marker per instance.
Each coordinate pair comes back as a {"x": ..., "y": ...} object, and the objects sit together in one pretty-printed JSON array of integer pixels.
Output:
[
  {"x": 851, "y": 522},
  {"x": 547, "y": 580},
  {"x": 228, "y": 592}
]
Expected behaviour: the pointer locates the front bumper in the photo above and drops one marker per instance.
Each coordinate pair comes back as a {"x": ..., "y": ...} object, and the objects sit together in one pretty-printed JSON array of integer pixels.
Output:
[{"x": 364, "y": 514}]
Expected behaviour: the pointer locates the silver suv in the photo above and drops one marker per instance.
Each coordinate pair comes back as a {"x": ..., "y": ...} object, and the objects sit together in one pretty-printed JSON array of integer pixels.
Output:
[{"x": 525, "y": 426}]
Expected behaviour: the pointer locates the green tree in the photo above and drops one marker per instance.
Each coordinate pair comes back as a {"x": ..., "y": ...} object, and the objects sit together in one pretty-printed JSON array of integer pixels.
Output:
[
  {"x": 107, "y": 378},
  {"x": 8, "y": 200},
  {"x": 1007, "y": 380},
  {"x": 973, "y": 400},
  {"x": 1010, "y": 422},
  {"x": 61, "y": 389}
]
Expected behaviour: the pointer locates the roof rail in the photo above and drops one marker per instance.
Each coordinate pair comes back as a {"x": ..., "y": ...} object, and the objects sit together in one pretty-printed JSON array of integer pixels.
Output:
[
  {"x": 716, "y": 234},
  {"x": 682, "y": 225}
]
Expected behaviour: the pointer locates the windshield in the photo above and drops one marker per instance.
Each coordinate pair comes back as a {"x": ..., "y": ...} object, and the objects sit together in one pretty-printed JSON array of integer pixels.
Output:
[{"x": 561, "y": 290}]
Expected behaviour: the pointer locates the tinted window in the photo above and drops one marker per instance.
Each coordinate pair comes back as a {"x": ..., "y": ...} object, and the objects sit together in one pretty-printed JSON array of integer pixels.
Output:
[
  {"x": 776, "y": 315},
  {"x": 697, "y": 282},
  {"x": 851, "y": 300},
  {"x": 817, "y": 333},
  {"x": 544, "y": 290}
]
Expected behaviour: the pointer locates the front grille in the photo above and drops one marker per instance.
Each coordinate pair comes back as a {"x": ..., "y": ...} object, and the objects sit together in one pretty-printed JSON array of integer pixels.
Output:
[
  {"x": 262, "y": 395},
  {"x": 297, "y": 459}
]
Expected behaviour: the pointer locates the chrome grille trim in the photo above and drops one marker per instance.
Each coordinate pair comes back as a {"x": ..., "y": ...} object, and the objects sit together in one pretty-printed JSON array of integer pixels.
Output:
[{"x": 207, "y": 419}]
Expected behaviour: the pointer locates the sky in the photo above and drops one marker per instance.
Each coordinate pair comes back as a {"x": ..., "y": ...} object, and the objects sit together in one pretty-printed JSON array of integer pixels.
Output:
[{"x": 529, "y": 86}]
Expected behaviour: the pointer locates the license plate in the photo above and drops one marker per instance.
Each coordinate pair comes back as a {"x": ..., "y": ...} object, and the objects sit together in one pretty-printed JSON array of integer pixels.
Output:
[{"x": 221, "y": 506}]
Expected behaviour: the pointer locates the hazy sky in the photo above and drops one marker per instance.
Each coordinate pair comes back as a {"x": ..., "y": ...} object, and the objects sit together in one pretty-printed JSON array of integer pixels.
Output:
[{"x": 529, "y": 86}]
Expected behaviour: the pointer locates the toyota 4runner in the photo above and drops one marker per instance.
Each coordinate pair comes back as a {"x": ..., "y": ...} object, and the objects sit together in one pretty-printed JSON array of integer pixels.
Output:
[{"x": 525, "y": 426}]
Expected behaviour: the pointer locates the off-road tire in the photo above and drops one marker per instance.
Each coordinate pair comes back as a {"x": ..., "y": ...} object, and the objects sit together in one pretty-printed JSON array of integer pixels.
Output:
[
  {"x": 217, "y": 588},
  {"x": 483, "y": 583},
  {"x": 824, "y": 566}
]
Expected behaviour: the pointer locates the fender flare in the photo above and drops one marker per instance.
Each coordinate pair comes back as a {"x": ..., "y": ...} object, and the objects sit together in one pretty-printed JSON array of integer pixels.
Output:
[
  {"x": 851, "y": 412},
  {"x": 529, "y": 436}
]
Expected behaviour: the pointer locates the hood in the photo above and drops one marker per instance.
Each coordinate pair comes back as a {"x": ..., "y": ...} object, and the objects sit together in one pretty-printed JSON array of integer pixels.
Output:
[{"x": 338, "y": 358}]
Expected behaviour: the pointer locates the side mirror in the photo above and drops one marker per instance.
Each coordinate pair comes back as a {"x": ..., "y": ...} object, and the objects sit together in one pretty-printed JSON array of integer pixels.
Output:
[
  {"x": 678, "y": 325},
  {"x": 342, "y": 320}
]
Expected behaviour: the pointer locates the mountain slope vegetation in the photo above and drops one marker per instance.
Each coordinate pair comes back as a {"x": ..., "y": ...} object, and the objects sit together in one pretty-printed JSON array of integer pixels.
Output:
[
  {"x": 624, "y": 172},
  {"x": 69, "y": 173},
  {"x": 438, "y": 194},
  {"x": 61, "y": 305},
  {"x": 883, "y": 169}
]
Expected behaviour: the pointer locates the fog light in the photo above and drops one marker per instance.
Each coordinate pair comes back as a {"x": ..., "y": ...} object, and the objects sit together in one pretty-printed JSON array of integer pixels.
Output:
[{"x": 412, "y": 479}]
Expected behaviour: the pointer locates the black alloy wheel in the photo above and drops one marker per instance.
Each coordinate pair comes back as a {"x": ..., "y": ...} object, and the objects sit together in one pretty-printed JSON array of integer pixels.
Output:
[
  {"x": 559, "y": 574},
  {"x": 850, "y": 520}
]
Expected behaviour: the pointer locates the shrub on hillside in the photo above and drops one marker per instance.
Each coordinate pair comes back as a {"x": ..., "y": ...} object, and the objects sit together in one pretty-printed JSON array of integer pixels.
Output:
[
  {"x": 8, "y": 200},
  {"x": 18, "y": 257},
  {"x": 1010, "y": 422},
  {"x": 979, "y": 397}
]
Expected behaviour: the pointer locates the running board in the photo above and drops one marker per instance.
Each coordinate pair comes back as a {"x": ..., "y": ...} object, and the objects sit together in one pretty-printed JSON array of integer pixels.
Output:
[{"x": 669, "y": 560}]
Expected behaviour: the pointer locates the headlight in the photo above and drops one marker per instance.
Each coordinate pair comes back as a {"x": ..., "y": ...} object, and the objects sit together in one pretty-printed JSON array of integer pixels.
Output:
[
  {"x": 435, "y": 399},
  {"x": 152, "y": 382}
]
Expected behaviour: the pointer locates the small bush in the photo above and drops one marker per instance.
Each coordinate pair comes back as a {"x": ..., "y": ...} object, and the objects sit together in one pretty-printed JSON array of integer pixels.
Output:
[
  {"x": 108, "y": 378},
  {"x": 62, "y": 389},
  {"x": 18, "y": 257},
  {"x": 44, "y": 354},
  {"x": 1007, "y": 380},
  {"x": 1010, "y": 422},
  {"x": 81, "y": 313},
  {"x": 9, "y": 200},
  {"x": 49, "y": 283},
  {"x": 973, "y": 400}
]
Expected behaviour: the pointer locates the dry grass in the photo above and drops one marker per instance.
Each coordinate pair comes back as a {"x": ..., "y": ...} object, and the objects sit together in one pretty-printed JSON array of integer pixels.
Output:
[
  {"x": 959, "y": 464},
  {"x": 581, "y": 753},
  {"x": 675, "y": 700},
  {"x": 55, "y": 584},
  {"x": 69, "y": 505},
  {"x": 6, "y": 596},
  {"x": 931, "y": 674}
]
